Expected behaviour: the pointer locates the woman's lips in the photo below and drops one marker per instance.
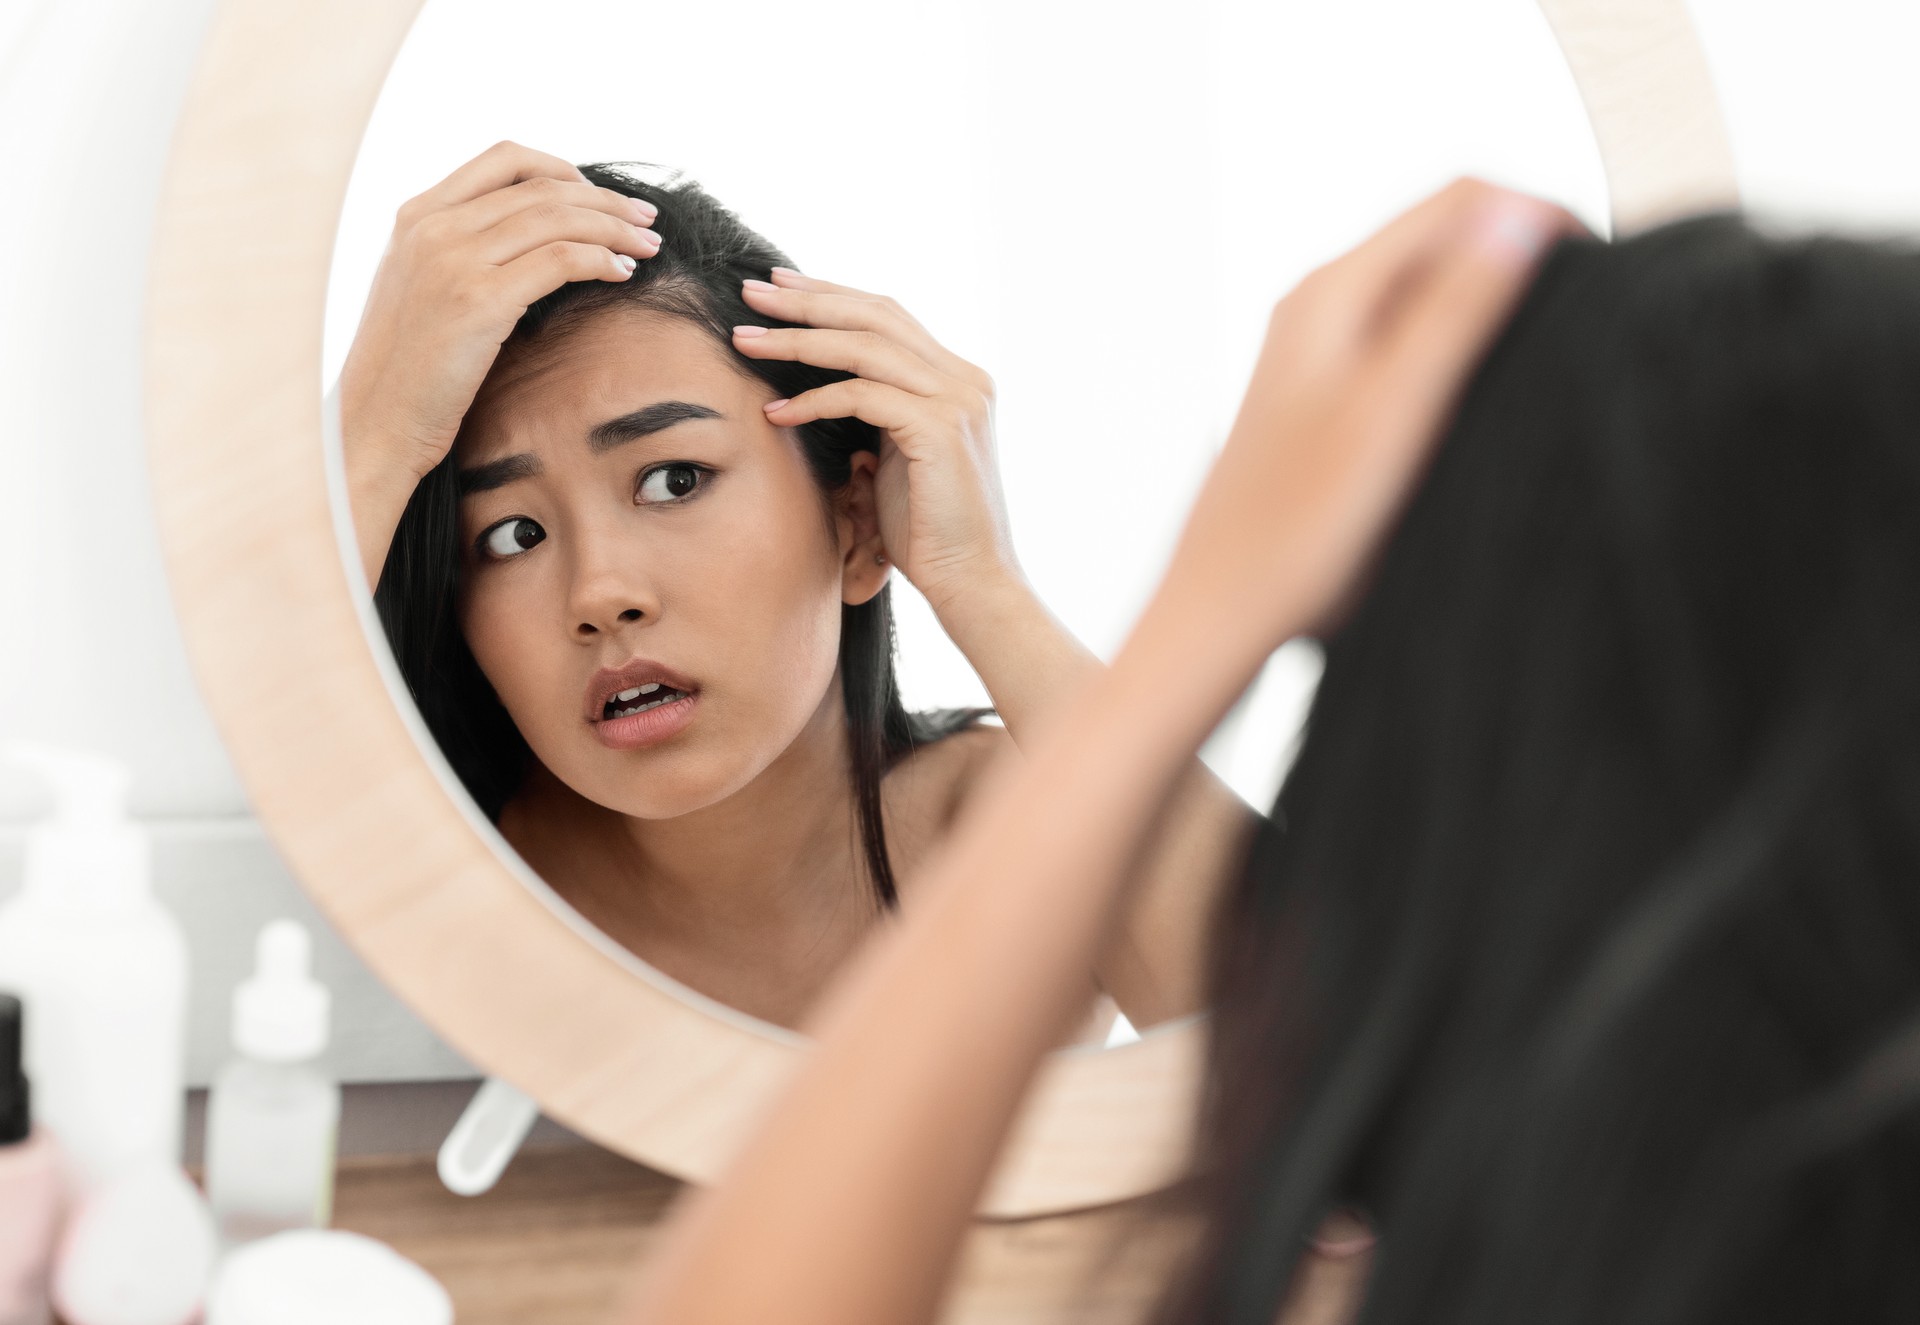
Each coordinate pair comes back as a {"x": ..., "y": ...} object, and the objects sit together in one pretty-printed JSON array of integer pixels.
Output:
[
  {"x": 611, "y": 681},
  {"x": 649, "y": 726}
]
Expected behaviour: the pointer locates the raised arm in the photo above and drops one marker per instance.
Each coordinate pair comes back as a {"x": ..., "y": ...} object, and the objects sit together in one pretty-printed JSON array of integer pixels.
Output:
[
  {"x": 466, "y": 259},
  {"x": 944, "y": 523},
  {"x": 849, "y": 1204}
]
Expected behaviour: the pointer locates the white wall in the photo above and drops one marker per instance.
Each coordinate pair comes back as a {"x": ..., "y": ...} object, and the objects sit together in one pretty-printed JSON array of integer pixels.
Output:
[
  {"x": 1097, "y": 202},
  {"x": 89, "y": 653}
]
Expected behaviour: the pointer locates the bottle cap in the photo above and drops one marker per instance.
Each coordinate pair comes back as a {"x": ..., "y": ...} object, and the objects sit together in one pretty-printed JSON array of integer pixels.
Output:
[
  {"x": 89, "y": 854},
  {"x": 15, "y": 1116},
  {"x": 280, "y": 1014}
]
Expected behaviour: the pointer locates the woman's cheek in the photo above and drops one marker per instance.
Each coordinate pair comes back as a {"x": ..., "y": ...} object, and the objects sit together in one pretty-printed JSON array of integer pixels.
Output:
[{"x": 495, "y": 634}]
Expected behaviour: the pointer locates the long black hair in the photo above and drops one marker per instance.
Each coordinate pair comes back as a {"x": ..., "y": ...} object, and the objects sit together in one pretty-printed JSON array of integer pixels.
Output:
[
  {"x": 706, "y": 252},
  {"x": 1581, "y": 954}
]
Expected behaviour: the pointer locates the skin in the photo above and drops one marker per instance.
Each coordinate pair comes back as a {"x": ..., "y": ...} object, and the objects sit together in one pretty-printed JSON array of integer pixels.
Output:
[
  {"x": 850, "y": 1203},
  {"x": 738, "y": 580},
  {"x": 723, "y": 856}
]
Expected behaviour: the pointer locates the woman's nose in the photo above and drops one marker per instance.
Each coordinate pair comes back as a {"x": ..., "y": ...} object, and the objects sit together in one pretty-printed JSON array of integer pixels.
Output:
[{"x": 610, "y": 589}]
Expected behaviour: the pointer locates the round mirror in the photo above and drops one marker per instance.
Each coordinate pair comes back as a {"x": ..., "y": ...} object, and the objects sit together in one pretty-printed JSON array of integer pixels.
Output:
[
  {"x": 677, "y": 708},
  {"x": 1095, "y": 208}
]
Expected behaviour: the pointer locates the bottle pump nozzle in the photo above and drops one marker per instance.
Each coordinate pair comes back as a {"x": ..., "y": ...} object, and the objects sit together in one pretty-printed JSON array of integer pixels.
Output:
[{"x": 88, "y": 852}]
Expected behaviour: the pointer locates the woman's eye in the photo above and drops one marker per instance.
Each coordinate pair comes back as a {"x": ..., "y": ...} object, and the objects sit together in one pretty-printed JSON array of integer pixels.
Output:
[
  {"x": 510, "y": 538},
  {"x": 669, "y": 483}
]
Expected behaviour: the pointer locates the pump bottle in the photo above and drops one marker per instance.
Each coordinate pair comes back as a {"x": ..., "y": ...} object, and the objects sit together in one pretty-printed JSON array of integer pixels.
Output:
[
  {"x": 272, "y": 1115},
  {"x": 103, "y": 967}
]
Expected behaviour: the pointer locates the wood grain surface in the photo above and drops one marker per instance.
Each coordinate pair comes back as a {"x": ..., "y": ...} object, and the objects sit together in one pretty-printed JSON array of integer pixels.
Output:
[{"x": 567, "y": 1228}]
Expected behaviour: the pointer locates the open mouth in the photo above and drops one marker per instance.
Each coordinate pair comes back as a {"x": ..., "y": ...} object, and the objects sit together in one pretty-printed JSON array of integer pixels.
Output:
[{"x": 638, "y": 699}]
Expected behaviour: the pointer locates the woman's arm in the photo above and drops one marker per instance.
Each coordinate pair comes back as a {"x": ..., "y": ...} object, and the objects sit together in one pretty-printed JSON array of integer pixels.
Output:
[
  {"x": 944, "y": 522},
  {"x": 466, "y": 259},
  {"x": 849, "y": 1204},
  {"x": 1153, "y": 963}
]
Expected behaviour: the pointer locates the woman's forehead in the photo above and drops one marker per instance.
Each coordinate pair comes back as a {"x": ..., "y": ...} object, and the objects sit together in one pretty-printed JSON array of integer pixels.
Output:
[{"x": 610, "y": 364}]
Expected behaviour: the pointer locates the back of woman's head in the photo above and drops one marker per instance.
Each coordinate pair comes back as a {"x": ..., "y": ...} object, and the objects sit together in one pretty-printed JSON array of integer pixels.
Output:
[{"x": 1582, "y": 952}]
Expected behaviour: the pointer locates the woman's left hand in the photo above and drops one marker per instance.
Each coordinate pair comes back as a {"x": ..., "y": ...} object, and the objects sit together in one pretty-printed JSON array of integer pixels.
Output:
[{"x": 943, "y": 520}]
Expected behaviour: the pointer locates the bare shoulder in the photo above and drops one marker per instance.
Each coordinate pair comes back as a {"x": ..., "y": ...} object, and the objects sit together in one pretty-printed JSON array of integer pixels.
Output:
[
  {"x": 923, "y": 792},
  {"x": 935, "y": 780}
]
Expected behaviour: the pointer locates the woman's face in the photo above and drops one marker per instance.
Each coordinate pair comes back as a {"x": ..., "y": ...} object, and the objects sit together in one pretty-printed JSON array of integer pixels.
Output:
[{"x": 652, "y": 583}]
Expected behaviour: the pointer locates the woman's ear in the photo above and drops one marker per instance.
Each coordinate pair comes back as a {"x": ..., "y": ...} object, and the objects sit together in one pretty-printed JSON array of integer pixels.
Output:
[{"x": 864, "y": 564}]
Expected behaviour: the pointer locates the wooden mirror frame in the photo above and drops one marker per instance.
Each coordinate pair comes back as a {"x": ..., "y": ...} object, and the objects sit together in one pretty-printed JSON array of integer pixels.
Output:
[{"x": 346, "y": 781}]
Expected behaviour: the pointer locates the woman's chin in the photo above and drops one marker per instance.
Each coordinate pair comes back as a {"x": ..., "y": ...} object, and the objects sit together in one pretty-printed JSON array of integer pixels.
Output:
[{"x": 670, "y": 784}]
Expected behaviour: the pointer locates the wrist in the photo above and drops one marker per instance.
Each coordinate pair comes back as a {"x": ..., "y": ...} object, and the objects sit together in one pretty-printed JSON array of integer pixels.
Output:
[
  {"x": 989, "y": 598},
  {"x": 1161, "y": 644}
]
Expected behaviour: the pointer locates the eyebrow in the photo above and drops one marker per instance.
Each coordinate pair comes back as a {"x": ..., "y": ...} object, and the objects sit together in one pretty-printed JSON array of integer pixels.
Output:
[{"x": 601, "y": 438}]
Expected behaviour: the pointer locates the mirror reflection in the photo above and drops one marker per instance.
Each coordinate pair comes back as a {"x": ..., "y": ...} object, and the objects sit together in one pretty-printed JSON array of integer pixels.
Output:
[
  {"x": 633, "y": 536},
  {"x": 716, "y": 583}
]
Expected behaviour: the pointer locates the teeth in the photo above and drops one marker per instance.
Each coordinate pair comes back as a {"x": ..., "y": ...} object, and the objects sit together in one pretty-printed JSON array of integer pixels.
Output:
[
  {"x": 642, "y": 708},
  {"x": 646, "y": 689},
  {"x": 625, "y": 695}
]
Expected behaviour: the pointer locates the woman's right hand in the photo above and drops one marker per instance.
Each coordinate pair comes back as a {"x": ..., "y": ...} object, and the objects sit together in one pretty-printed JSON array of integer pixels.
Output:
[
  {"x": 466, "y": 259},
  {"x": 1362, "y": 363}
]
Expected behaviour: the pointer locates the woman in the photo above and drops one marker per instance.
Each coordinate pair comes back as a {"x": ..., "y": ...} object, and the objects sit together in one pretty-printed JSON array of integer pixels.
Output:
[
  {"x": 632, "y": 490},
  {"x": 1582, "y": 958}
]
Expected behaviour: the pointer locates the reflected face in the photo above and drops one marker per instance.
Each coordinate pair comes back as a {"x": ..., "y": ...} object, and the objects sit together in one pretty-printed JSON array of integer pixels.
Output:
[{"x": 652, "y": 580}]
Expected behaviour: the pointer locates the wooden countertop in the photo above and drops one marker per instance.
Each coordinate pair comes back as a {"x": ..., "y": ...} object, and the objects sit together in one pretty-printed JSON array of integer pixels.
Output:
[
  {"x": 557, "y": 1239},
  {"x": 553, "y": 1242}
]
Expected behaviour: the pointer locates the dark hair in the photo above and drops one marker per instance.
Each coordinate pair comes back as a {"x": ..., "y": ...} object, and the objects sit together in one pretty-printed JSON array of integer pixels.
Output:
[
  {"x": 1582, "y": 951},
  {"x": 705, "y": 253}
]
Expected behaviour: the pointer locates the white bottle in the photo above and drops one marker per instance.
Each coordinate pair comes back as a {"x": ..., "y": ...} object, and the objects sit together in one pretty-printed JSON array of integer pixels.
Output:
[
  {"x": 104, "y": 968},
  {"x": 272, "y": 1115}
]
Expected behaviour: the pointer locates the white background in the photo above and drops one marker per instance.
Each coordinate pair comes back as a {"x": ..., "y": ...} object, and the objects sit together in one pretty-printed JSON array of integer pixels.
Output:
[{"x": 1096, "y": 202}]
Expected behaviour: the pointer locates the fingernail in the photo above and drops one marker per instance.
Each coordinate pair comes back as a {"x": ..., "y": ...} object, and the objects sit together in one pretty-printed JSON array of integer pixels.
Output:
[
  {"x": 1339, "y": 1249},
  {"x": 627, "y": 262},
  {"x": 1340, "y": 1235},
  {"x": 648, "y": 212},
  {"x": 773, "y": 405},
  {"x": 785, "y": 271},
  {"x": 760, "y": 285},
  {"x": 1513, "y": 228},
  {"x": 748, "y": 333},
  {"x": 650, "y": 237}
]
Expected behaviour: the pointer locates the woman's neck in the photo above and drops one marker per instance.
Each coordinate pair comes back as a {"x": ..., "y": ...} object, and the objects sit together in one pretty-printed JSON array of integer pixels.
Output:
[{"x": 754, "y": 900}]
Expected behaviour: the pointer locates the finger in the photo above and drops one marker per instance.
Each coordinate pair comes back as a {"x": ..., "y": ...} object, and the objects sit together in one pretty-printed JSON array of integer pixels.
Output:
[
  {"x": 823, "y": 304},
  {"x": 546, "y": 269},
  {"x": 535, "y": 227},
  {"x": 500, "y": 165},
  {"x": 858, "y": 398},
  {"x": 490, "y": 209},
  {"x": 788, "y": 278},
  {"x": 1354, "y": 296},
  {"x": 865, "y": 354},
  {"x": 1442, "y": 327}
]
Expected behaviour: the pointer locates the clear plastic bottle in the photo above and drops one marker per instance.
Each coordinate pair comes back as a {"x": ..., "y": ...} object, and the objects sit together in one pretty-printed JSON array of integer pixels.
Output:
[
  {"x": 103, "y": 967},
  {"x": 272, "y": 1114}
]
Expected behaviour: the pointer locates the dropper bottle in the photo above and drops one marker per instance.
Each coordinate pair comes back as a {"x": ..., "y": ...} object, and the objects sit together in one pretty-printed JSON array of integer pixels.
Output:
[{"x": 272, "y": 1114}]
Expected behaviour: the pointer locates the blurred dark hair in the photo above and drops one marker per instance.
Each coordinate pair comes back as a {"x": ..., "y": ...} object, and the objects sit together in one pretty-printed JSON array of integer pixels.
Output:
[
  {"x": 705, "y": 253},
  {"x": 1582, "y": 951}
]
